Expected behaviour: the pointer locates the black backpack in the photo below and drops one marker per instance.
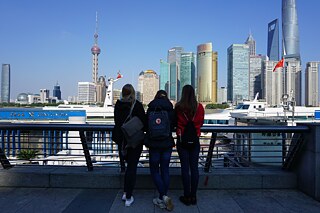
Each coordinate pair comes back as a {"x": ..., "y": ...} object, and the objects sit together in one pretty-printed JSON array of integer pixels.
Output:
[
  {"x": 159, "y": 125},
  {"x": 189, "y": 138}
]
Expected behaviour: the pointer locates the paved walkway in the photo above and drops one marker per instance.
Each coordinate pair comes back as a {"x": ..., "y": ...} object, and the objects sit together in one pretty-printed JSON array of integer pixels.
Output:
[{"x": 109, "y": 200}]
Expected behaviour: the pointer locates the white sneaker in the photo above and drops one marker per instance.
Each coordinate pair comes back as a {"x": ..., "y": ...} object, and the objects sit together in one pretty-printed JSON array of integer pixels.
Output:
[
  {"x": 129, "y": 201},
  {"x": 168, "y": 202},
  {"x": 124, "y": 197},
  {"x": 159, "y": 203}
]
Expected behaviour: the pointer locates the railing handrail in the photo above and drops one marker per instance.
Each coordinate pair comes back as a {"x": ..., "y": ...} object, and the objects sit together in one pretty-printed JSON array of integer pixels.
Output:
[{"x": 103, "y": 127}]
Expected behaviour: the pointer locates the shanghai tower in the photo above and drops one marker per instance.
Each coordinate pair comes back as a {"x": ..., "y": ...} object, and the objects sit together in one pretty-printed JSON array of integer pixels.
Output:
[{"x": 290, "y": 30}]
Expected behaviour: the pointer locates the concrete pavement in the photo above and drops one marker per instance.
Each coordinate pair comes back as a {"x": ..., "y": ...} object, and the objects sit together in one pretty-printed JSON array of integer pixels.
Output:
[{"x": 54, "y": 200}]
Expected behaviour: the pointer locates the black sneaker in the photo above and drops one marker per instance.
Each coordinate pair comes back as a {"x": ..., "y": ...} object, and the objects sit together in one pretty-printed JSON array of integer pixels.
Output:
[
  {"x": 193, "y": 200},
  {"x": 185, "y": 200}
]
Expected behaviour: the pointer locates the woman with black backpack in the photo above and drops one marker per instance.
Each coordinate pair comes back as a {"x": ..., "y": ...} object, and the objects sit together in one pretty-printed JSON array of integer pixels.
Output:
[
  {"x": 190, "y": 118},
  {"x": 160, "y": 142}
]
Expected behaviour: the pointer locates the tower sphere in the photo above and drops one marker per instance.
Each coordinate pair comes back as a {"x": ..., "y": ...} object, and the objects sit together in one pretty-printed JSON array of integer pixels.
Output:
[{"x": 95, "y": 50}]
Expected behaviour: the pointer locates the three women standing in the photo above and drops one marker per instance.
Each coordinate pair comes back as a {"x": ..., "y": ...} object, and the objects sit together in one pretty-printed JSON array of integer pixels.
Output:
[{"x": 186, "y": 110}]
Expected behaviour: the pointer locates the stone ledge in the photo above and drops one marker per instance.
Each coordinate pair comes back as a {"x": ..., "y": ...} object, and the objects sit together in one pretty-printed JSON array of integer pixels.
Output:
[{"x": 111, "y": 178}]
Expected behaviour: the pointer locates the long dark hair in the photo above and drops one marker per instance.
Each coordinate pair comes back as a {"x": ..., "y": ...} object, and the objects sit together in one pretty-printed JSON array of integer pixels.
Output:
[
  {"x": 188, "y": 102},
  {"x": 161, "y": 94}
]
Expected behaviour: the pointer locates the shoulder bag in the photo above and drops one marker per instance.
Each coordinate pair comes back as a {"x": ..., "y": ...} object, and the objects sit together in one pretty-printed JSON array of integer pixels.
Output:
[{"x": 132, "y": 130}]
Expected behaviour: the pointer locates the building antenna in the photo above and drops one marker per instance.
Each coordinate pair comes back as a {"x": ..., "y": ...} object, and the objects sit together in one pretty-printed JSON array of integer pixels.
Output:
[{"x": 96, "y": 30}]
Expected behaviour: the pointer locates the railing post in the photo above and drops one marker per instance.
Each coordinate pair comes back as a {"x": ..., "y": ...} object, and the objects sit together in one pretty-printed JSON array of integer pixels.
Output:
[
  {"x": 4, "y": 161},
  {"x": 210, "y": 152},
  {"x": 86, "y": 150}
]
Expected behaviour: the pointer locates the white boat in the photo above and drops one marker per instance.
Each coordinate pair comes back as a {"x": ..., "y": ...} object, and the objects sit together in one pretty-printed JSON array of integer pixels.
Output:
[
  {"x": 288, "y": 112},
  {"x": 92, "y": 111}
]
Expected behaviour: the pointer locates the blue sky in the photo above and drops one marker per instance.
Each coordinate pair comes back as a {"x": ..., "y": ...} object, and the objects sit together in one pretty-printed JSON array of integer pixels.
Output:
[{"x": 49, "y": 41}]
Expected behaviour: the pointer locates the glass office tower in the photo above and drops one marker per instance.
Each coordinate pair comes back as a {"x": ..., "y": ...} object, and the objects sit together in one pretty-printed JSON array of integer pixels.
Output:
[
  {"x": 56, "y": 92},
  {"x": 273, "y": 40},
  {"x": 238, "y": 72},
  {"x": 187, "y": 69},
  {"x": 164, "y": 76},
  {"x": 5, "y": 83},
  {"x": 174, "y": 56}
]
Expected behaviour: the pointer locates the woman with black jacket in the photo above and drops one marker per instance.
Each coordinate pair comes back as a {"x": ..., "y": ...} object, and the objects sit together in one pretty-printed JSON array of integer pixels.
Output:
[
  {"x": 130, "y": 155},
  {"x": 160, "y": 150}
]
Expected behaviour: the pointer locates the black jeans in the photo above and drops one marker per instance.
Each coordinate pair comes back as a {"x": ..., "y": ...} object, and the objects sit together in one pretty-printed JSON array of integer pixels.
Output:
[
  {"x": 132, "y": 159},
  {"x": 189, "y": 163}
]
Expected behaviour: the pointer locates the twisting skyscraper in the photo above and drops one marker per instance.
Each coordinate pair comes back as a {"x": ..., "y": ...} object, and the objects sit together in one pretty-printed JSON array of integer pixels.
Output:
[
  {"x": 290, "y": 30},
  {"x": 291, "y": 50}
]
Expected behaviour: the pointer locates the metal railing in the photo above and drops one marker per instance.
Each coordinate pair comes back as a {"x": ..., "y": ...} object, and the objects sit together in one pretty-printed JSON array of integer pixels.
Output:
[{"x": 91, "y": 145}]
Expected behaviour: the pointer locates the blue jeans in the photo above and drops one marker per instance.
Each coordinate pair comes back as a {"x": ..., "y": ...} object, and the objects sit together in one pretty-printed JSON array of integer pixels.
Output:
[
  {"x": 189, "y": 163},
  {"x": 159, "y": 160}
]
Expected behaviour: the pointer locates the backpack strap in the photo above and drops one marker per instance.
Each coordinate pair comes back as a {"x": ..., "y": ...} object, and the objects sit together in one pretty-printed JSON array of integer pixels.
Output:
[
  {"x": 187, "y": 117},
  {"x": 131, "y": 109}
]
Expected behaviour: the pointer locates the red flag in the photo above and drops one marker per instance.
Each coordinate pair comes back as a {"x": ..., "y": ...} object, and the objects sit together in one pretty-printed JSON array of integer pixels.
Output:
[
  {"x": 279, "y": 64},
  {"x": 119, "y": 75}
]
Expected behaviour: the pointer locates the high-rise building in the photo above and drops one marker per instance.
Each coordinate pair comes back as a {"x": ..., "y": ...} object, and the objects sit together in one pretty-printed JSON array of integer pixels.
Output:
[
  {"x": 56, "y": 91},
  {"x": 174, "y": 57},
  {"x": 222, "y": 95},
  {"x": 292, "y": 78},
  {"x": 44, "y": 95},
  {"x": 86, "y": 92},
  {"x": 164, "y": 76},
  {"x": 273, "y": 40},
  {"x": 290, "y": 30},
  {"x": 101, "y": 89},
  {"x": 255, "y": 72},
  {"x": 312, "y": 84},
  {"x": 5, "y": 83},
  {"x": 291, "y": 51},
  {"x": 149, "y": 81},
  {"x": 207, "y": 73},
  {"x": 187, "y": 69},
  {"x": 238, "y": 72},
  {"x": 252, "y": 44},
  {"x": 272, "y": 83}
]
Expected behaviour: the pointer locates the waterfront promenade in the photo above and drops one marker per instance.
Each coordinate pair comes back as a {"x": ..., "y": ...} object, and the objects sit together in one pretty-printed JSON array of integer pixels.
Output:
[
  {"x": 109, "y": 200},
  {"x": 73, "y": 189}
]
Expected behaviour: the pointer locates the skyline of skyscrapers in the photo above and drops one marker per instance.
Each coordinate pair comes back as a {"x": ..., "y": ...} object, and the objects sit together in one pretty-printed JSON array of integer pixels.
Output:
[
  {"x": 175, "y": 72},
  {"x": 5, "y": 83}
]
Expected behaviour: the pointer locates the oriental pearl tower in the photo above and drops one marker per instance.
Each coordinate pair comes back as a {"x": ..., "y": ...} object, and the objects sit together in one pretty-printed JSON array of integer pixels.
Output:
[{"x": 95, "y": 50}]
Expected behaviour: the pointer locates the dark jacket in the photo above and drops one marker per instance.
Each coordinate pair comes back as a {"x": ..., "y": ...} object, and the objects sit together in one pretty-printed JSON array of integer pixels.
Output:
[
  {"x": 121, "y": 112},
  {"x": 164, "y": 104}
]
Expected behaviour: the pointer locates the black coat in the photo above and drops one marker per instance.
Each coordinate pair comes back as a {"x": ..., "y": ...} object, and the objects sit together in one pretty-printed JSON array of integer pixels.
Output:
[
  {"x": 164, "y": 104},
  {"x": 121, "y": 112}
]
